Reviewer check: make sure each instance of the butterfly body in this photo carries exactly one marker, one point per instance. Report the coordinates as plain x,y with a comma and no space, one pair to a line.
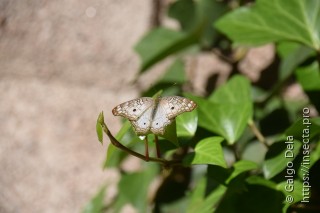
148,115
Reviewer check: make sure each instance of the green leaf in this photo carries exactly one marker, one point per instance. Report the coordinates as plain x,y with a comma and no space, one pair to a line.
207,151
225,176
96,204
299,128
240,167
235,91
133,187
278,156
185,12
260,23
175,73
171,134
187,124
99,127
258,180
309,77
228,110
255,152
209,11
253,198
162,42
291,60
227,120
171,82
293,189
198,15
205,203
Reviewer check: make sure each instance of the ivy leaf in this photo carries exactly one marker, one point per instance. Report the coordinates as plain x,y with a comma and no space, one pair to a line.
278,156
227,120
240,167
296,192
96,204
133,188
309,77
162,42
235,91
259,24
185,12
292,56
171,133
199,200
207,151
99,127
171,82
228,110
175,73
187,124
198,14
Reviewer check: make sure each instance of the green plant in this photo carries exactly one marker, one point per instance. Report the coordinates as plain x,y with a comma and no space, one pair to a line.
252,149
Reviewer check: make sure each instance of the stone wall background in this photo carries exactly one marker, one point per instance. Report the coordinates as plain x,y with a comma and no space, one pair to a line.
61,63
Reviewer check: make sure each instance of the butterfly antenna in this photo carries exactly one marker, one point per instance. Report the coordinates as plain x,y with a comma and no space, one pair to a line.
146,148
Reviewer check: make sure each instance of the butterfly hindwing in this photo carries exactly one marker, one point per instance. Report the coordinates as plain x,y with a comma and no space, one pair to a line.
133,109
160,121
143,123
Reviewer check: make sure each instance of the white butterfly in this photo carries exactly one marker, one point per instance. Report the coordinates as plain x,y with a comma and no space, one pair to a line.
148,115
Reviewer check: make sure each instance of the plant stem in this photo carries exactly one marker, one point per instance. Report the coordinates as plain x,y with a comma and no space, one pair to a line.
258,134
117,144
157,146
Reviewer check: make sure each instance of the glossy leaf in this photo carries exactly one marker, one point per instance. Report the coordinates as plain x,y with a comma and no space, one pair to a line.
171,81
228,110
235,91
293,189
227,120
259,24
171,134
240,167
255,152
253,198
209,11
204,203
258,180
160,43
309,77
175,73
298,127
184,11
280,154
226,175
99,127
198,15
134,187
96,204
187,124
291,58
207,151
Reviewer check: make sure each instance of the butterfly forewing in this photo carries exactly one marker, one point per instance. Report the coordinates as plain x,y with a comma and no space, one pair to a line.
175,105
133,109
